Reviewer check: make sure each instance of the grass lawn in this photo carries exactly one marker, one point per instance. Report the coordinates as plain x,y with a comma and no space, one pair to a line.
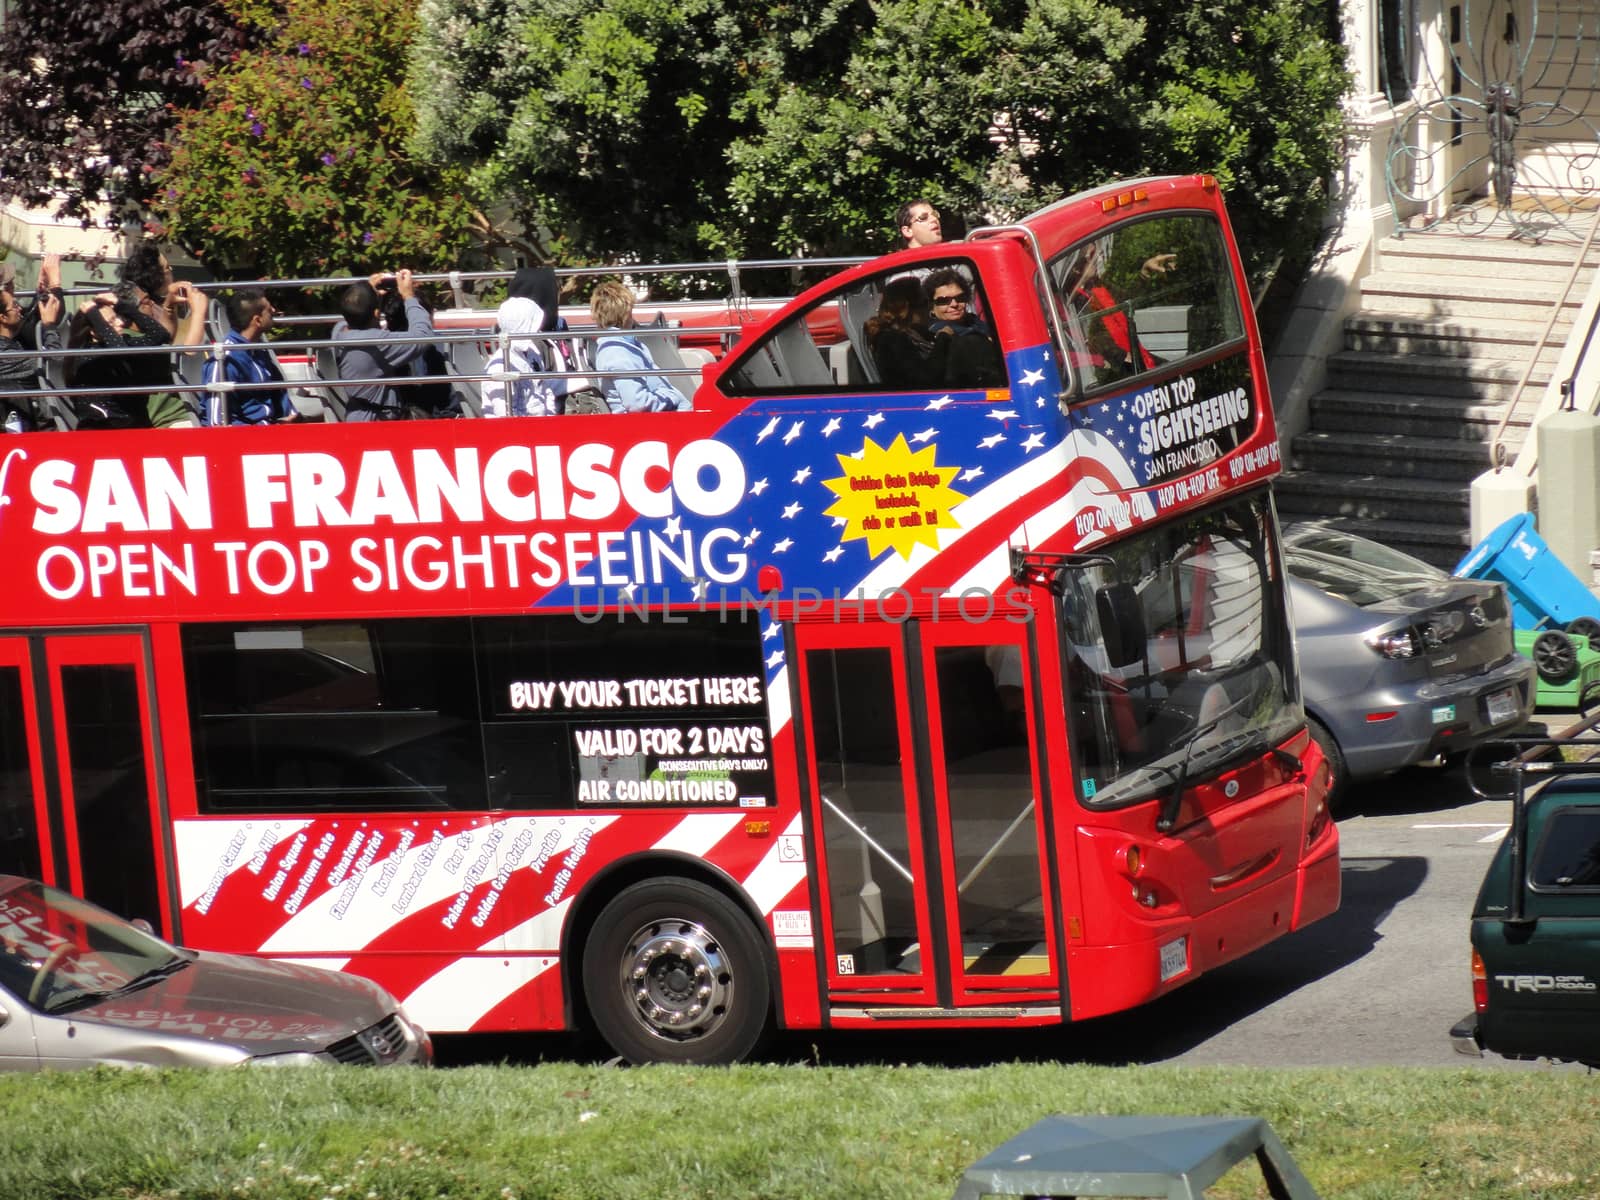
854,1133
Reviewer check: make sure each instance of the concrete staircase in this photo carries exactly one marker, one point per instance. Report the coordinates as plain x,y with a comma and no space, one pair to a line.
1429,366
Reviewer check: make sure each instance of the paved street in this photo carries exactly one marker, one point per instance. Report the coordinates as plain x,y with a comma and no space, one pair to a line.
1378,983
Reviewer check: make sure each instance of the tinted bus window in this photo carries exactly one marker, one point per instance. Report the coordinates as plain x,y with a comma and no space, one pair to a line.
669,711
1147,295
19,825
110,787
341,716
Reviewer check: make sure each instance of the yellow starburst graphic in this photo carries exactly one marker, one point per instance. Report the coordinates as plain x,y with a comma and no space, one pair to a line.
894,497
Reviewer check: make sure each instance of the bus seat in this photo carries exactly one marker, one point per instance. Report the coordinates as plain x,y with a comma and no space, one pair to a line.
217,325
848,367
662,344
855,309
327,367
798,360
50,374
1164,330
310,402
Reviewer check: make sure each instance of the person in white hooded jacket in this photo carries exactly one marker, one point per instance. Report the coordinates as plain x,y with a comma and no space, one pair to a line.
517,353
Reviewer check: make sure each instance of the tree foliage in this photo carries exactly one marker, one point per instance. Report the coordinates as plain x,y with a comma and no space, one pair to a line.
690,128
296,161
87,93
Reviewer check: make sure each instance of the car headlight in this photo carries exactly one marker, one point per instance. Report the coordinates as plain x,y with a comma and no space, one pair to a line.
295,1058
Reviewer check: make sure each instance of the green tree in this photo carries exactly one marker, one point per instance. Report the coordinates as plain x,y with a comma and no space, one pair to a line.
691,128
296,159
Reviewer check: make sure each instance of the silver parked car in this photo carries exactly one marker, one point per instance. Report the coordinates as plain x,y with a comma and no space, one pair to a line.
79,986
1399,662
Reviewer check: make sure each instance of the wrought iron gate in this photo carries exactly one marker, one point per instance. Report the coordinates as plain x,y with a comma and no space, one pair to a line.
1497,103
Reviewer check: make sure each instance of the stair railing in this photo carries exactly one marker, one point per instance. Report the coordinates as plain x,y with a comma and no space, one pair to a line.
1528,457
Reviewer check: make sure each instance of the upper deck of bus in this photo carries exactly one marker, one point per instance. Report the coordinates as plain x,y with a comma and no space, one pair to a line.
815,478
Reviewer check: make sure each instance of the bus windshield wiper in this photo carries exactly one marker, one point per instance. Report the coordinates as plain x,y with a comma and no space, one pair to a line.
1250,742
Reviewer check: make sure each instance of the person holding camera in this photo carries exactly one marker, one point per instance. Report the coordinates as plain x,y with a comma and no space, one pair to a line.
180,309
128,319
372,354
22,328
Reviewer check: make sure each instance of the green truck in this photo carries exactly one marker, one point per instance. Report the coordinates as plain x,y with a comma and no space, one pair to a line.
1536,922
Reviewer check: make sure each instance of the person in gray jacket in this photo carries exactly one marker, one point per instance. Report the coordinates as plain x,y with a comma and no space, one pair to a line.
22,328
369,352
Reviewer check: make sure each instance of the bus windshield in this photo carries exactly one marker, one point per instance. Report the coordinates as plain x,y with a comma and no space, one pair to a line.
1178,648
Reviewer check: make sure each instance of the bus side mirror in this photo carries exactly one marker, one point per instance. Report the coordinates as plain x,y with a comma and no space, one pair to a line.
1121,623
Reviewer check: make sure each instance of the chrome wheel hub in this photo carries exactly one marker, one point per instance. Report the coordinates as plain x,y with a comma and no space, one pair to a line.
676,979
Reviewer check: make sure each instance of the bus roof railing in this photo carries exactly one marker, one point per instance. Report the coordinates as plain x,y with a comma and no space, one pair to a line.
733,268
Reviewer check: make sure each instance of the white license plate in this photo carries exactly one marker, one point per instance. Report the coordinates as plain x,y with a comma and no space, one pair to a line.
1174,959
1502,706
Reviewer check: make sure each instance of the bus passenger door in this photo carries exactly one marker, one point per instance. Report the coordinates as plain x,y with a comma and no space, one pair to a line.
104,764
871,846
981,718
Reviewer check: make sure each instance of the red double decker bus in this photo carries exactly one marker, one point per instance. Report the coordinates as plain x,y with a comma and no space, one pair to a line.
845,699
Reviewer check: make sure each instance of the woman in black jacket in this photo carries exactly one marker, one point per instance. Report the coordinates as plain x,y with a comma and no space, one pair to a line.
906,353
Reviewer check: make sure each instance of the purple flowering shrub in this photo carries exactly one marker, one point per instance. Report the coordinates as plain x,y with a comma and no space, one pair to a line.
296,163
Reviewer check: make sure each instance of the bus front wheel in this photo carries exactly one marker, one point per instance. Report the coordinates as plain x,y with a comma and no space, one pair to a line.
674,971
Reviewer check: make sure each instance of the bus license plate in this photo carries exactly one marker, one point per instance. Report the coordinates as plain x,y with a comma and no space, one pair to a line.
1174,959
1502,706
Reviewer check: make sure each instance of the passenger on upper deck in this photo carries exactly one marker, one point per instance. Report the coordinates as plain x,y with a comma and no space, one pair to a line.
611,305
574,393
181,311
905,351
126,319
436,397
519,318
250,313
31,327
374,354
973,359
918,222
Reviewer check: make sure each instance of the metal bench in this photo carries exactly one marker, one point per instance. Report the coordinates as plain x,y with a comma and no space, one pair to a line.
1172,1157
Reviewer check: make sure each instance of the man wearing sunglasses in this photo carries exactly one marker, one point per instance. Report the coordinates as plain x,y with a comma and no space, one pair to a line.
918,221
23,329
974,358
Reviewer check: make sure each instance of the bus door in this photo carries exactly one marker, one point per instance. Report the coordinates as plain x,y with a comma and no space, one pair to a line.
981,718
923,797
100,765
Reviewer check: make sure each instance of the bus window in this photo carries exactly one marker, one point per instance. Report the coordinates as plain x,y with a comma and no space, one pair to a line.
871,875
104,727
19,825
830,346
341,716
1194,666
625,713
993,818
1148,294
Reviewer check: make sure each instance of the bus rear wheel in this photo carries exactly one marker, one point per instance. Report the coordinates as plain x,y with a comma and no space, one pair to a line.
674,971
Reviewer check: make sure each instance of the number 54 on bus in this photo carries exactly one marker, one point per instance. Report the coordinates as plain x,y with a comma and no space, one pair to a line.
925,674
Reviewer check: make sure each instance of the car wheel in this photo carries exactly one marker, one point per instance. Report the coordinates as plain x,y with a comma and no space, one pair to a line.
674,971
1338,776
1586,627
1555,655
